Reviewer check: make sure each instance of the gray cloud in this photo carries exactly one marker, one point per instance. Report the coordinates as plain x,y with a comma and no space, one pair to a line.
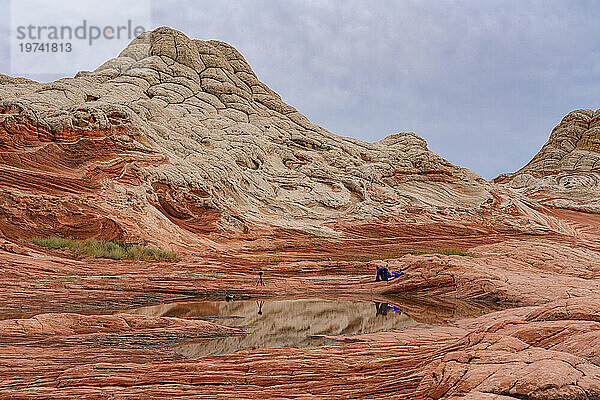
482,82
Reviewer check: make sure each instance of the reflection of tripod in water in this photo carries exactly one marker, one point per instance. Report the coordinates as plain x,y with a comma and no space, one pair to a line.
260,305
260,280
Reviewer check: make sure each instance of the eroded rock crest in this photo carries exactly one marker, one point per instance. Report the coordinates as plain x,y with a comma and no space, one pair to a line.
177,142
182,130
566,171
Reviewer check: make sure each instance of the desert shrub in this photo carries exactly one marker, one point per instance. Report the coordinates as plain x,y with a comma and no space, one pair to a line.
447,252
115,250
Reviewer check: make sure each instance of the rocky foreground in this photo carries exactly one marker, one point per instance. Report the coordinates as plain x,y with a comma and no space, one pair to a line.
547,351
176,143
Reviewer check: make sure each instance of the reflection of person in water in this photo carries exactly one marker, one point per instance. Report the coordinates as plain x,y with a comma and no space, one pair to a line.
260,305
383,308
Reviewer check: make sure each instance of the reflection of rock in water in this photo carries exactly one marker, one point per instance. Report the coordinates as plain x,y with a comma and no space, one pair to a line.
285,323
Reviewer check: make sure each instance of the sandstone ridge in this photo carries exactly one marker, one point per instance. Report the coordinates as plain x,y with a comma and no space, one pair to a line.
566,171
176,142
177,138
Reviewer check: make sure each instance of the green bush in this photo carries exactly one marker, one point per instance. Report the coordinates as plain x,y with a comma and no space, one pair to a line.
447,252
115,250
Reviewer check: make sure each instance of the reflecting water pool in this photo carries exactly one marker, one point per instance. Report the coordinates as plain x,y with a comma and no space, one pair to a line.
283,322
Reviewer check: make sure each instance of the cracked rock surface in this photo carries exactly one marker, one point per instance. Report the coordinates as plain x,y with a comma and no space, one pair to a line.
182,133
176,143
566,171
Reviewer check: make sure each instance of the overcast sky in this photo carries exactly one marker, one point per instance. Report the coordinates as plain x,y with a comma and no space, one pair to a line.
484,82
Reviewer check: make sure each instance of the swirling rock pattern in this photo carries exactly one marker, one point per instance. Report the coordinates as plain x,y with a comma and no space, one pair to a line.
182,131
566,171
540,352
176,142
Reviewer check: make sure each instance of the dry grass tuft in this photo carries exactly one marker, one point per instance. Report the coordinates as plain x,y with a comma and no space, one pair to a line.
115,250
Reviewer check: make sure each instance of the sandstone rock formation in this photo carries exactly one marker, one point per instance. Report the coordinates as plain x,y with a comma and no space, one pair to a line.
566,171
176,142
177,138
535,352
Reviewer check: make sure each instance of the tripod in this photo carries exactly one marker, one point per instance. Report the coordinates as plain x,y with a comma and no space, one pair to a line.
260,280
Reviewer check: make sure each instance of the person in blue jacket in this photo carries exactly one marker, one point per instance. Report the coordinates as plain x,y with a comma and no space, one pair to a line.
383,274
